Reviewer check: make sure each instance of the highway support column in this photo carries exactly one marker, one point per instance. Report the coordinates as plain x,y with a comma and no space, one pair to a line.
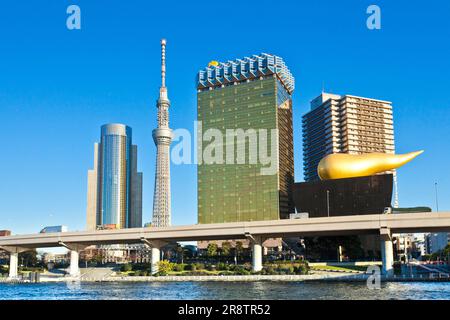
387,252
155,246
13,264
14,259
156,257
74,269
257,252
74,248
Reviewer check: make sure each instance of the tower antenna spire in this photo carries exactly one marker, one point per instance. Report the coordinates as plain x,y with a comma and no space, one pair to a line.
163,63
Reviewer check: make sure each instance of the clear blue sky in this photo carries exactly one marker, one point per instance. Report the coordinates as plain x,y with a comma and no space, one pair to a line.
57,87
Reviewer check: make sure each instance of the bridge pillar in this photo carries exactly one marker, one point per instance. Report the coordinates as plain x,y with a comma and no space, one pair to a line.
74,248
257,253
155,246
156,257
14,259
13,263
74,269
387,252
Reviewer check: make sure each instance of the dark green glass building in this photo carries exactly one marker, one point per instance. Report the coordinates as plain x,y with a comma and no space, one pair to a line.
245,110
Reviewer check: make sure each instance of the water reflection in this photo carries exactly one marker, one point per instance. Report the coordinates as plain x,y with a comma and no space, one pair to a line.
225,290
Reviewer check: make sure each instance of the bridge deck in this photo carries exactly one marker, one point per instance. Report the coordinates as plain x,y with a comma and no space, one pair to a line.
343,225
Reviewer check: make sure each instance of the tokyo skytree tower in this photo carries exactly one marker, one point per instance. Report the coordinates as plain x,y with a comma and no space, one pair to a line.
162,136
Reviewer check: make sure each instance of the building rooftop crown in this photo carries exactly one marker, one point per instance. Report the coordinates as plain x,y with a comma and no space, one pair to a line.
324,97
115,129
221,73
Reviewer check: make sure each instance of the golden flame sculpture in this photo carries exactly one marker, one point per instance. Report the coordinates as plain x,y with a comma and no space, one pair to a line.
342,165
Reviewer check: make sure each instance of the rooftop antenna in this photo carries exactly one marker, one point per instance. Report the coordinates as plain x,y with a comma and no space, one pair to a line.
163,63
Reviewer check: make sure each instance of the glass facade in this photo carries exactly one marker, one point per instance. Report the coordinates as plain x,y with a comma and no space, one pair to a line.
115,153
115,186
239,192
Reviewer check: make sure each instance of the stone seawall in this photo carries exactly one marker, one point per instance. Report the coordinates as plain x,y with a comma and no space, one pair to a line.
329,277
348,277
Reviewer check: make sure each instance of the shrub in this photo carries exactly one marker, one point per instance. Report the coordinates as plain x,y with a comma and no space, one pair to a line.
190,267
223,266
179,267
243,272
232,267
269,270
280,271
31,269
285,269
247,266
196,273
126,267
300,270
210,267
199,266
141,273
165,267
140,266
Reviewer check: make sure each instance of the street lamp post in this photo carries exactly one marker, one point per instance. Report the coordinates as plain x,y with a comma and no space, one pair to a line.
328,203
239,209
436,192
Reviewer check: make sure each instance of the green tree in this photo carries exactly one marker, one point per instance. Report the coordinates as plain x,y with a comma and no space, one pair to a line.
97,259
326,248
443,254
212,249
28,258
446,250
180,253
226,248
238,249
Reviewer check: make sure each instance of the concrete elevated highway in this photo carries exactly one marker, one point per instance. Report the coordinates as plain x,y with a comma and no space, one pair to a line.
256,231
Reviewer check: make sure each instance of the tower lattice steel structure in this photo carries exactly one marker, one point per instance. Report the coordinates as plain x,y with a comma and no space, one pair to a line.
162,137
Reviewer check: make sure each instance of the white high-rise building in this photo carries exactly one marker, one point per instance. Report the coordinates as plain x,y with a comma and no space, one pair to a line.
162,136
437,241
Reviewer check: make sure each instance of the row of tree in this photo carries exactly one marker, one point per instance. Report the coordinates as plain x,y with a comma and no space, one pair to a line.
225,249
442,255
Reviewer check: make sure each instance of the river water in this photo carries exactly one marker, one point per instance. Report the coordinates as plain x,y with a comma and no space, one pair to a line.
225,290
